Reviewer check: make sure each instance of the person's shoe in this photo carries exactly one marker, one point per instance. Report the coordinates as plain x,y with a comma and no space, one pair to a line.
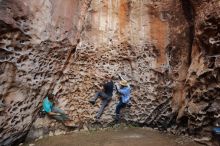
70,124
92,102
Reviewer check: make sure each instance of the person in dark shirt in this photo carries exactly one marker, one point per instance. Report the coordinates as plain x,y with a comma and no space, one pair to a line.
105,95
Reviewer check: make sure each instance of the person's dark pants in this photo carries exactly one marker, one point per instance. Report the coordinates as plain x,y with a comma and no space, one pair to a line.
105,100
119,106
62,117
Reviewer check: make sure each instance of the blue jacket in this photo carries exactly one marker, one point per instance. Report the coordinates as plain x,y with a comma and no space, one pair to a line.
47,105
125,94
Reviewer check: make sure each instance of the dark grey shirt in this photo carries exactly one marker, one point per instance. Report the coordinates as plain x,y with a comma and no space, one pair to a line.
108,88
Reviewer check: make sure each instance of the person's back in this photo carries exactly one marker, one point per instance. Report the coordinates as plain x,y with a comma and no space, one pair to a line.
47,105
108,88
125,93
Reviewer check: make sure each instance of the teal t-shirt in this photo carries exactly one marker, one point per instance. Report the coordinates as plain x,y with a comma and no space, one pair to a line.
47,105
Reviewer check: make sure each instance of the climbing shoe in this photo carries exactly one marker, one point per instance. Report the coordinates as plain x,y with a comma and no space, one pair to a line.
92,102
117,117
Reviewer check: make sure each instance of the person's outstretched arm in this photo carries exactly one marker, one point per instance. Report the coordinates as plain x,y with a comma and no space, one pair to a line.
57,89
117,87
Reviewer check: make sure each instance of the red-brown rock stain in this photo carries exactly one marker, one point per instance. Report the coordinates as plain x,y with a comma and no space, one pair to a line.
158,33
123,15
64,12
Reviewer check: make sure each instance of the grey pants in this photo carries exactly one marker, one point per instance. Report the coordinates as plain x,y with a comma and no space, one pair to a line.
62,117
105,100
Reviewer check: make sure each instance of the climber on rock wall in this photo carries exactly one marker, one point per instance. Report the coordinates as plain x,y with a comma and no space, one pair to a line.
124,90
105,95
55,112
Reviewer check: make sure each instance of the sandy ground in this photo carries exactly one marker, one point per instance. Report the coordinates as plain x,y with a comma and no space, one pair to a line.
117,137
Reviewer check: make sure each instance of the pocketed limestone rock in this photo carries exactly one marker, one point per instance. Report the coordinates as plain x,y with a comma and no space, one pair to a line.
166,50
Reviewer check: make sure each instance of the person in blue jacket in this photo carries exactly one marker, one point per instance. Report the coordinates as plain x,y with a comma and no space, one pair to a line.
124,92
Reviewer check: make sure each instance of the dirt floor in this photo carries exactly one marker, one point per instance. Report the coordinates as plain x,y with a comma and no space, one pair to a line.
117,137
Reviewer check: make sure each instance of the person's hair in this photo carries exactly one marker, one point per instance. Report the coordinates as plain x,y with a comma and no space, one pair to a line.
50,96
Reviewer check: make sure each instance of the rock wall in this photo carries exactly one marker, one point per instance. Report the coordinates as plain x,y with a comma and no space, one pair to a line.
36,46
167,50
202,81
